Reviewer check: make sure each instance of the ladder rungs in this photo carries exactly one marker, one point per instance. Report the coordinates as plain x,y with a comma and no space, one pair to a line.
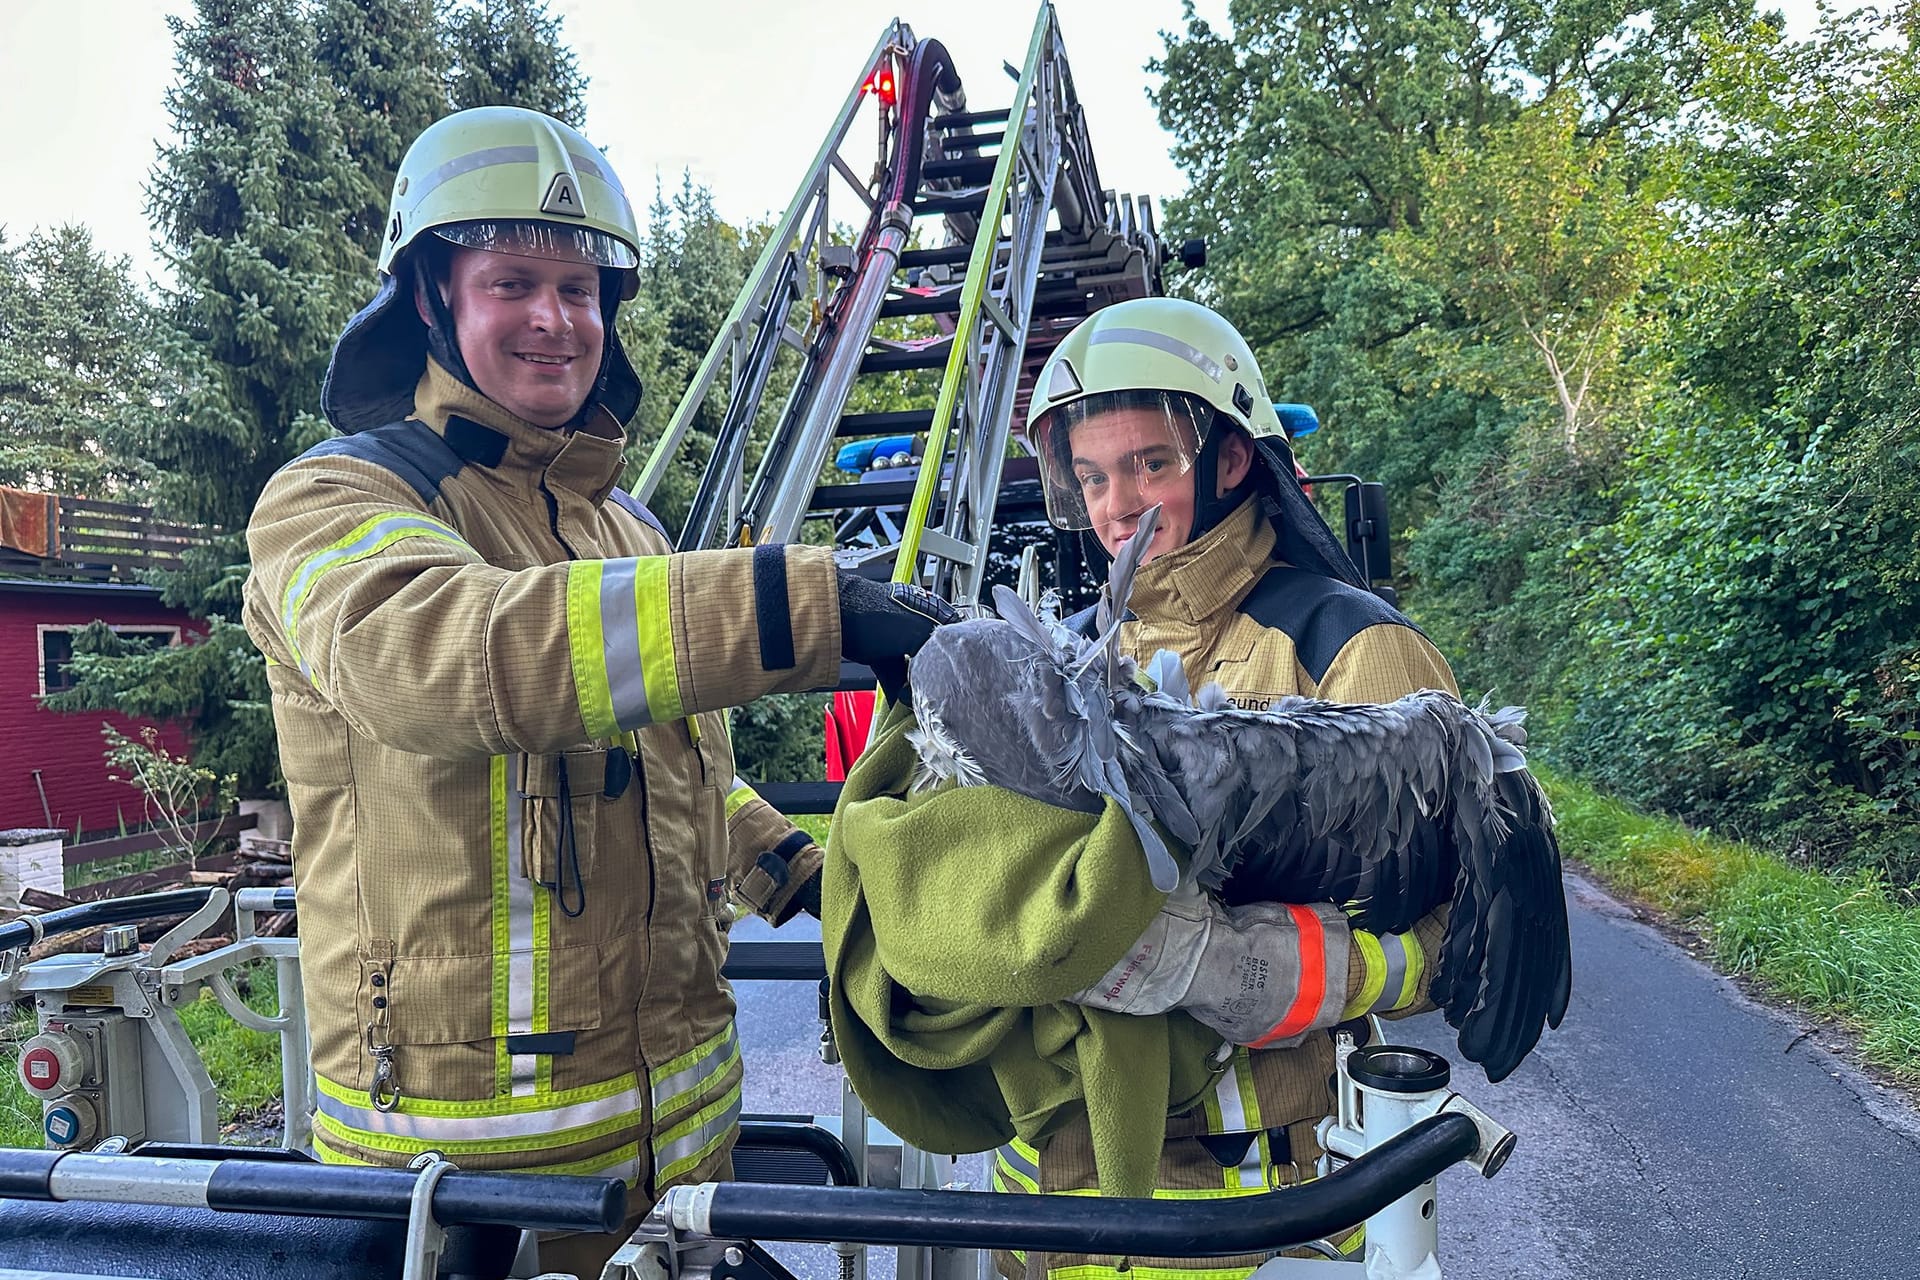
967,169
972,141
961,202
968,119
951,255
882,424
919,304
892,361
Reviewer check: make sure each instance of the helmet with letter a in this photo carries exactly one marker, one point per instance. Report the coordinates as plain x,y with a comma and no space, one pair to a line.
500,179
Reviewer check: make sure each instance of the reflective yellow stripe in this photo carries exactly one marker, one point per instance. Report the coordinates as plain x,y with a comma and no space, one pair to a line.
620,641
587,645
370,538
740,794
1373,968
1089,1271
678,1081
494,1124
686,1144
1416,970
622,1162
1019,1164
652,598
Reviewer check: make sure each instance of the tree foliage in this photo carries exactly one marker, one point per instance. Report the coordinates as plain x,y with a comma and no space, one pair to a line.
1621,310
78,371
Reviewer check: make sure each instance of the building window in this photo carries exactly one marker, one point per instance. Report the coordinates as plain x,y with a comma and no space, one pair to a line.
56,650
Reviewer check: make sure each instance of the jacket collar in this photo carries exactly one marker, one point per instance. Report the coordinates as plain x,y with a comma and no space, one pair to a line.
585,460
1194,583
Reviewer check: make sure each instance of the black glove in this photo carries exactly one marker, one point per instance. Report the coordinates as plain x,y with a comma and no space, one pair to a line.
882,624
808,894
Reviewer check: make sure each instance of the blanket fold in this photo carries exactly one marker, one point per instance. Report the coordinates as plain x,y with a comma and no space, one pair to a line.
957,923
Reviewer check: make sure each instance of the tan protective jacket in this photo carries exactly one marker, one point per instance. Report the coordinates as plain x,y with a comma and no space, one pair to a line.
497,701
1261,630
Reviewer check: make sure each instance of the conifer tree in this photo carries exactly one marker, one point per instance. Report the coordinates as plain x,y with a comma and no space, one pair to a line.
512,53
77,366
250,206
388,65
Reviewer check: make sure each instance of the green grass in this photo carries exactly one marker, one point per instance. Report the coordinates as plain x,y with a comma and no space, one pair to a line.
244,1064
1847,947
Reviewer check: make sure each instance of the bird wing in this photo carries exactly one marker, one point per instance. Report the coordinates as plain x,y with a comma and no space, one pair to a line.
1389,810
1506,964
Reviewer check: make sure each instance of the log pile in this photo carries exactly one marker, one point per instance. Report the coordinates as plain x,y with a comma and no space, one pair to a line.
258,863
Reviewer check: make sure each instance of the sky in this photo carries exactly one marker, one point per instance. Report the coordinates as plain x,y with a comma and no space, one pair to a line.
740,92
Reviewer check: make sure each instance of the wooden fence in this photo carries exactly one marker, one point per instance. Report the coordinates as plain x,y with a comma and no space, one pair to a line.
114,540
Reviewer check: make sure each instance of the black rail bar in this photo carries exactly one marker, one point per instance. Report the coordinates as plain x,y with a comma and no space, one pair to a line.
538,1202
965,168
146,906
968,119
775,962
892,422
889,361
959,202
805,1136
1086,1224
951,255
800,797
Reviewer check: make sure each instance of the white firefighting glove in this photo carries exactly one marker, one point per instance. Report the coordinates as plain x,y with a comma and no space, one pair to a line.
1263,974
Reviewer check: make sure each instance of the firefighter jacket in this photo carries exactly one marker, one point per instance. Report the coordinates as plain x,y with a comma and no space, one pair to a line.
497,701
1260,629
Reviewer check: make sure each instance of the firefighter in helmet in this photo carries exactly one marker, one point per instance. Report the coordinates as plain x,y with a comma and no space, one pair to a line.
518,834
1160,400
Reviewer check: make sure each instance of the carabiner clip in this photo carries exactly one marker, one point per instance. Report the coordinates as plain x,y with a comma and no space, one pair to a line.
385,1092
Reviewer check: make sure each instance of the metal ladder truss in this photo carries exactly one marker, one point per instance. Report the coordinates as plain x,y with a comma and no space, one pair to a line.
1032,244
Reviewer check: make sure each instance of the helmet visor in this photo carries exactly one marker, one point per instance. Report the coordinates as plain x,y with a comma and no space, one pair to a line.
1107,457
527,238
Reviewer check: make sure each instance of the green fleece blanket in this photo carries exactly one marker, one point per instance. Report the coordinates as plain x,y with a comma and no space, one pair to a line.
956,924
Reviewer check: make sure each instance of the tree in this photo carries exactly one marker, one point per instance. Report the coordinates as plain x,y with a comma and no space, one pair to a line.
512,53
250,207
1304,134
78,367
1546,240
388,64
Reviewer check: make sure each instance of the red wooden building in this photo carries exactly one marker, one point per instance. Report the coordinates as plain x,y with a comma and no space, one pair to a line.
64,563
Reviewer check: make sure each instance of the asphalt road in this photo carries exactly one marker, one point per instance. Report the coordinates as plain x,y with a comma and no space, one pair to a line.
1671,1128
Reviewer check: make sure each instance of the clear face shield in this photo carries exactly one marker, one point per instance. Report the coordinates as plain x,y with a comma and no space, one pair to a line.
526,238
1106,458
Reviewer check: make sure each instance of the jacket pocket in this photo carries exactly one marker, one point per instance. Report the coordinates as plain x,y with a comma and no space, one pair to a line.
446,1032
561,794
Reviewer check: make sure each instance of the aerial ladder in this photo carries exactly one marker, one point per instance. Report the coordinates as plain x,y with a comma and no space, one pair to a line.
1029,243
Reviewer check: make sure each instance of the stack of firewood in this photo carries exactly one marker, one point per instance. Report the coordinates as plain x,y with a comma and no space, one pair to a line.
258,863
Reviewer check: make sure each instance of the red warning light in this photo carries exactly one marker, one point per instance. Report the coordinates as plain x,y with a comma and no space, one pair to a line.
881,84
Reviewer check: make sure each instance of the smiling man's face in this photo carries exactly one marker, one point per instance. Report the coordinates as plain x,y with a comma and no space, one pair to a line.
530,330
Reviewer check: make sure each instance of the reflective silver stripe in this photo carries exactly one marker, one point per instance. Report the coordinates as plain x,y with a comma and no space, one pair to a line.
688,1079
485,158
1161,342
1393,946
519,1124
1253,1169
1226,1091
682,1147
523,1067
1017,1160
619,624
318,564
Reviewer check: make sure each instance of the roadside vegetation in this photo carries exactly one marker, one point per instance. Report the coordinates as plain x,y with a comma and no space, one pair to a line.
1842,945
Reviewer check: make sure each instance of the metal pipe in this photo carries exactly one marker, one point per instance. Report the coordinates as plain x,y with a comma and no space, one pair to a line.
146,906
539,1202
1076,1224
